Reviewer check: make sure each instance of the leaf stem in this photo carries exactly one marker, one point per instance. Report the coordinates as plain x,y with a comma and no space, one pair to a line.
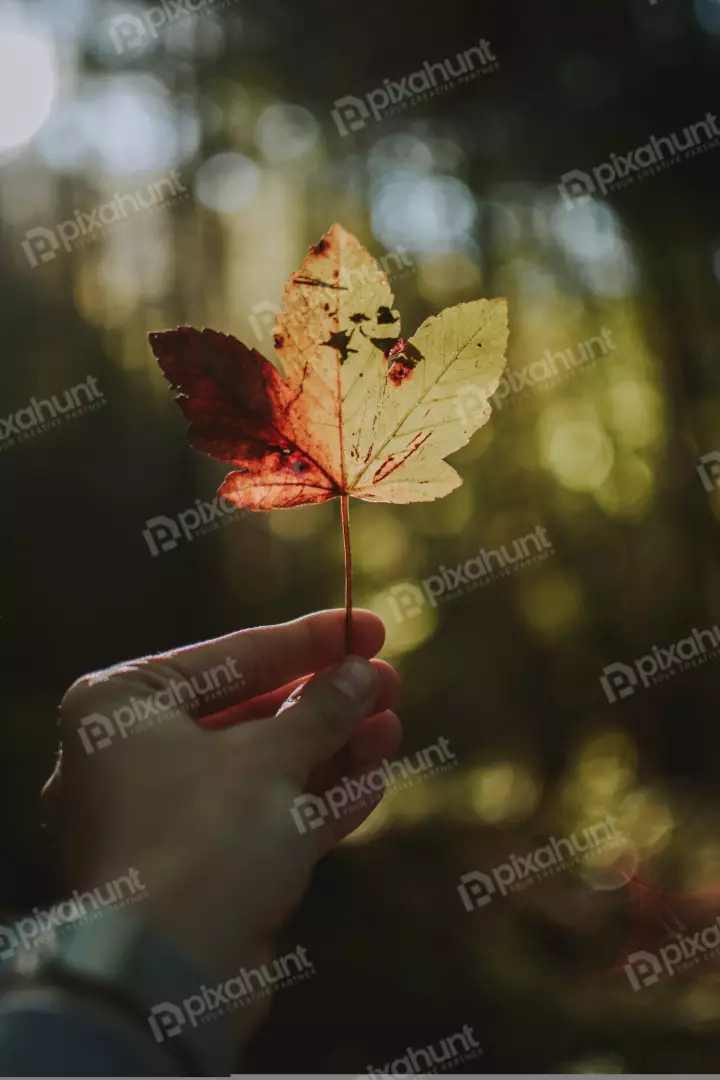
345,516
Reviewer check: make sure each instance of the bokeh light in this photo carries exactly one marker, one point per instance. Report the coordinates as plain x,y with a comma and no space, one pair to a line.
503,793
422,213
119,124
402,152
575,447
628,490
635,413
132,127
286,132
707,13
449,276
227,182
592,238
551,602
28,86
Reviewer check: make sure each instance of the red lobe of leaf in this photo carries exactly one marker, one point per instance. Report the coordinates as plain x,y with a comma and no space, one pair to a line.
242,411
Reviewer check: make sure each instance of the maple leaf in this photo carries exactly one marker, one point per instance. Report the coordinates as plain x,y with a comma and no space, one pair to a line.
350,408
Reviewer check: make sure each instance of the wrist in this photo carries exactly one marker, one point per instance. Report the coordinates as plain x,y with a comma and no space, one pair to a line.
124,954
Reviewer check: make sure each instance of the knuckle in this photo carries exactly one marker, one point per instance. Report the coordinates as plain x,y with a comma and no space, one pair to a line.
77,698
86,694
158,673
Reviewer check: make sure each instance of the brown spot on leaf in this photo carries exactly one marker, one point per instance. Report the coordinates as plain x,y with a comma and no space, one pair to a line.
384,344
385,315
402,360
340,340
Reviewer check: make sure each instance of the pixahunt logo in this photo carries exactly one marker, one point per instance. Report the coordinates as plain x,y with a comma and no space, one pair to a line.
452,1051
541,374
476,889
166,533
709,470
180,695
646,968
42,926
395,265
622,680
168,1019
40,416
311,811
133,31
408,599
655,156
41,245
352,113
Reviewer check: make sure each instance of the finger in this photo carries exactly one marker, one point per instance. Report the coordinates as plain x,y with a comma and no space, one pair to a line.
375,740
268,657
318,719
268,704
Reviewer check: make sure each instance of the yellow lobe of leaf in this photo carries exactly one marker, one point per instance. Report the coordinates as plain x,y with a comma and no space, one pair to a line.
382,418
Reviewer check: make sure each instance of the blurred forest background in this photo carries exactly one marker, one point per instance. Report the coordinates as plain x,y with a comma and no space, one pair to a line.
229,112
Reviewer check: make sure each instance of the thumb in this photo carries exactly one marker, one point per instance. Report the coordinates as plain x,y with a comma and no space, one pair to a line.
319,716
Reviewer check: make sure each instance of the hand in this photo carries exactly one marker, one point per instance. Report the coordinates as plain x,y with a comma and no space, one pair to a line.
199,801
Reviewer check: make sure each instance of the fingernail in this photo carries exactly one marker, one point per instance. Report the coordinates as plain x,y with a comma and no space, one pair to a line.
355,677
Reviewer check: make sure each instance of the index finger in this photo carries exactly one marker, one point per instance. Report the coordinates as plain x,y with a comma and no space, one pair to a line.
270,656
